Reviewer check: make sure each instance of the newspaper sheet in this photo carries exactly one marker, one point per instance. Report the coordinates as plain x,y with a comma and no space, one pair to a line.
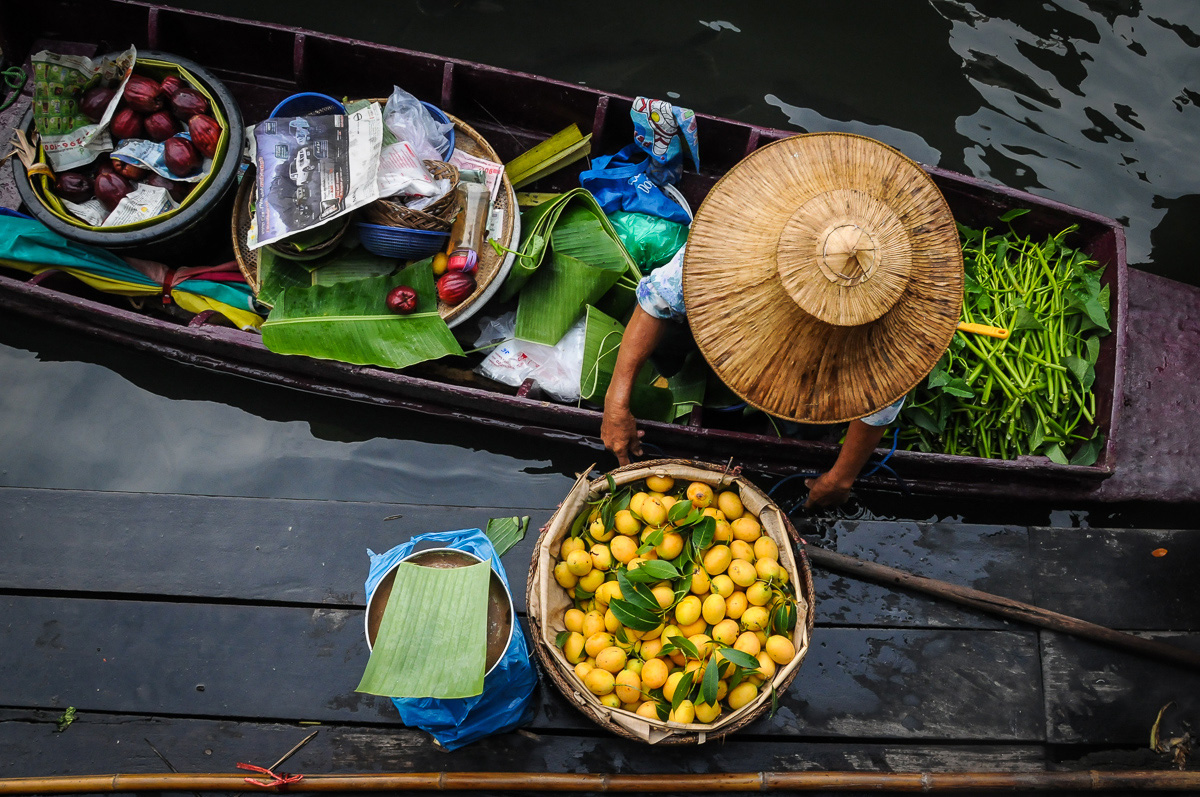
312,169
59,83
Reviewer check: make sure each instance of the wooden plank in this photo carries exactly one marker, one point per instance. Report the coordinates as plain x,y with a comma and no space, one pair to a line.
117,743
915,684
301,663
283,550
985,557
1099,695
1112,577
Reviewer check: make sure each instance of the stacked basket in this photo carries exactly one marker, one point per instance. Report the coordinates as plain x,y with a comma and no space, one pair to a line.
549,603
391,229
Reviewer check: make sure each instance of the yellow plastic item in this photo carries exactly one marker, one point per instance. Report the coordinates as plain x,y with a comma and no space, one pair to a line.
981,329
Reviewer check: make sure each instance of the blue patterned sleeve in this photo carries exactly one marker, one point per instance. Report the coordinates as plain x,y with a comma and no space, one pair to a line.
886,415
660,293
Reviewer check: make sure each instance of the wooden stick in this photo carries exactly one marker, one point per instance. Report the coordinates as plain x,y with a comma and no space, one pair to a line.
1090,780
1004,607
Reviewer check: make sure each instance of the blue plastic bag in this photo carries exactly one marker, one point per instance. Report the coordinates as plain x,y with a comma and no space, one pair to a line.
664,131
507,699
619,182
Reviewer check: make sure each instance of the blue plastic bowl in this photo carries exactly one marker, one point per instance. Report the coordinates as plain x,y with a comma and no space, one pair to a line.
400,242
438,114
308,103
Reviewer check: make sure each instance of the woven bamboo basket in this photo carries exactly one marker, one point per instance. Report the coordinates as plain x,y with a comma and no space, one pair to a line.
493,265
437,217
547,602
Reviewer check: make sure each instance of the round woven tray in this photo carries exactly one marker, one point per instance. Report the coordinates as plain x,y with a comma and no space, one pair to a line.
546,600
493,266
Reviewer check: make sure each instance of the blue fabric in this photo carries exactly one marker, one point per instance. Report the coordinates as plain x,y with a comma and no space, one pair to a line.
507,699
664,131
619,182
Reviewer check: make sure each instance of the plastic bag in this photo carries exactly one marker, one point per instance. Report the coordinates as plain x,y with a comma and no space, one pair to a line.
411,121
650,240
619,182
507,699
556,369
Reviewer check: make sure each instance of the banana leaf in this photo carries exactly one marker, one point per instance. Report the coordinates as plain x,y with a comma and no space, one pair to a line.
505,532
538,224
602,339
349,321
277,274
432,639
585,262
563,148
688,384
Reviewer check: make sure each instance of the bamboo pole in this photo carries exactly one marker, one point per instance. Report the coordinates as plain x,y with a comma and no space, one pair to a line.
1004,607
1089,780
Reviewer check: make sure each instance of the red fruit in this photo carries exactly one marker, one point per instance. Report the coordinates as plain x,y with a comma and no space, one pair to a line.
73,186
160,126
143,94
181,157
402,299
205,133
128,169
455,286
127,123
95,102
188,102
176,189
171,84
111,188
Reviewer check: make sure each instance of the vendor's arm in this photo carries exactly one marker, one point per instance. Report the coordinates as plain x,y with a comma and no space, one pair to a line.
619,428
862,438
659,302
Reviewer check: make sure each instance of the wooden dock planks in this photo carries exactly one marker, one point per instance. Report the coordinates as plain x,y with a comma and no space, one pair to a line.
222,623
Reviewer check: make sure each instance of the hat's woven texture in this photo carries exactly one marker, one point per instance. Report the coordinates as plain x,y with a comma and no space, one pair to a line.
823,277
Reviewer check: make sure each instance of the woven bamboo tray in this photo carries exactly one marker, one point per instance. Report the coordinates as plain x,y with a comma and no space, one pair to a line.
493,266
547,601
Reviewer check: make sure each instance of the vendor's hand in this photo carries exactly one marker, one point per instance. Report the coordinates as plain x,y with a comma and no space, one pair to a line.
826,490
620,434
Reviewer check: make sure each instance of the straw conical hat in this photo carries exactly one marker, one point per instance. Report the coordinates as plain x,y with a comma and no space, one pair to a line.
823,277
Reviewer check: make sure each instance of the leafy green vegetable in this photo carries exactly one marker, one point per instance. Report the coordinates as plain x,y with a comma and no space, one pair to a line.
65,720
1031,394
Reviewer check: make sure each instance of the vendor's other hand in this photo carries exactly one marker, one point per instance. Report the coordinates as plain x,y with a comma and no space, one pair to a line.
826,490
620,434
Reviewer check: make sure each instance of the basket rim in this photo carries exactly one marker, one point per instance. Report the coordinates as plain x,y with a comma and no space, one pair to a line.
571,688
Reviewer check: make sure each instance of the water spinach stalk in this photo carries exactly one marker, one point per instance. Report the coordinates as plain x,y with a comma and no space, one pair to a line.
1030,394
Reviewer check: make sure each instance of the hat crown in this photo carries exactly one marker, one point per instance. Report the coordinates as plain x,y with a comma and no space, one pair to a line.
844,257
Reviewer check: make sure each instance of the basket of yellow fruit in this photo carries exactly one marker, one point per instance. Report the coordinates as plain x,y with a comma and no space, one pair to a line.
666,602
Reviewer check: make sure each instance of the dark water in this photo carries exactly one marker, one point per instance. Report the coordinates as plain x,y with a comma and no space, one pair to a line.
1094,104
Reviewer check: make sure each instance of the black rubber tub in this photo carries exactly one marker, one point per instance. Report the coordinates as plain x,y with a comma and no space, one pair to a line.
196,234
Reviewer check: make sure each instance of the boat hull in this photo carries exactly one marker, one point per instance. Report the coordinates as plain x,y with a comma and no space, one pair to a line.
262,63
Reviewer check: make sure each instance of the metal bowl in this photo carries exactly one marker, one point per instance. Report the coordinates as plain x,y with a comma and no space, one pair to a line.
500,605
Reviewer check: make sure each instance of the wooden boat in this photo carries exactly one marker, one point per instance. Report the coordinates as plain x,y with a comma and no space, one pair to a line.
262,63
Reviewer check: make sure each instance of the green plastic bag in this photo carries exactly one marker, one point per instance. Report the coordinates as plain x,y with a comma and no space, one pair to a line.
650,240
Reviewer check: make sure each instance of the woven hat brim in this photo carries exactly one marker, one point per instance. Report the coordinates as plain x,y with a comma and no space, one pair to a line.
768,350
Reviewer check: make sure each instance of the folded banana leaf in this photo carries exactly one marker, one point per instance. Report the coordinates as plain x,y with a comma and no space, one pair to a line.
602,339
349,321
539,223
586,260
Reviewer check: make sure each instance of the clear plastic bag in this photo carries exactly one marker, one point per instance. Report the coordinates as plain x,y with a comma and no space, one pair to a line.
411,121
556,369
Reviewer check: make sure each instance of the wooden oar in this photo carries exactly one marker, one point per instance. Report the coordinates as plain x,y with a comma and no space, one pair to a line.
1004,607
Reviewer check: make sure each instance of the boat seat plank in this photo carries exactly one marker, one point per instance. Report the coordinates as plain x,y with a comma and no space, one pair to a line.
294,663
1160,440
985,557
1112,577
118,743
255,549
1108,696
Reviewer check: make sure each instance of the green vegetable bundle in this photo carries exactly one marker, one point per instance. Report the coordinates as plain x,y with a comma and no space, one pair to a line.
1029,394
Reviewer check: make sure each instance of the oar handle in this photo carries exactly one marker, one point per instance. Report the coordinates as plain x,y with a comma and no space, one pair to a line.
983,329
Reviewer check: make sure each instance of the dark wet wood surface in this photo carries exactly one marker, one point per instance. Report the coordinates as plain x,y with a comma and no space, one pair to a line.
217,627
